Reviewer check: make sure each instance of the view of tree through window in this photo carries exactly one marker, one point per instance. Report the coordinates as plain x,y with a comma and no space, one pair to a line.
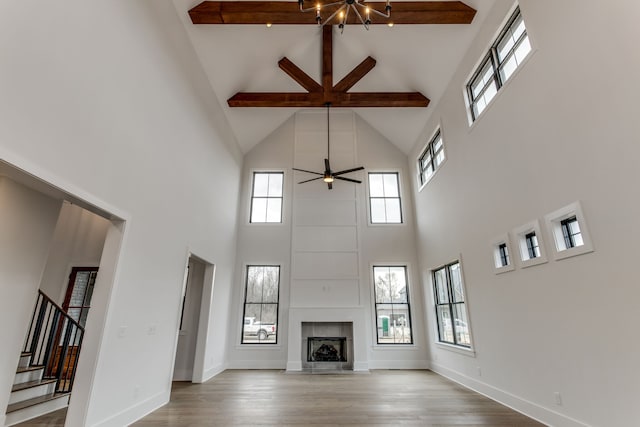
260,320
393,316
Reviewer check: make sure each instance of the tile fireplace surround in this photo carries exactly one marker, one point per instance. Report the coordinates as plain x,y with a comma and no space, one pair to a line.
327,322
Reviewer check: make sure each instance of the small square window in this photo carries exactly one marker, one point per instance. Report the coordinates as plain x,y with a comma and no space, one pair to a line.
530,244
569,231
502,261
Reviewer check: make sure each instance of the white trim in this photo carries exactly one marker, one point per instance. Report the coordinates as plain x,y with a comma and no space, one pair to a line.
552,222
466,351
519,234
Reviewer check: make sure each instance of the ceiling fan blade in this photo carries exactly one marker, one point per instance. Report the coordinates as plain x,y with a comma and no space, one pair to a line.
303,170
330,185
359,168
309,180
327,167
348,179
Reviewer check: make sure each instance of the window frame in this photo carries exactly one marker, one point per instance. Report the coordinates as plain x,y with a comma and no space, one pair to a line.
496,243
521,233
553,222
399,197
252,197
492,58
428,150
244,306
449,304
407,304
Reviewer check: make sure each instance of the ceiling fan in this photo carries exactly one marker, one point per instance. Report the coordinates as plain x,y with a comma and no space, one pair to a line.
328,175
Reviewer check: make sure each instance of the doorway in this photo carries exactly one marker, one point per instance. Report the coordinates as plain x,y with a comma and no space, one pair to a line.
194,311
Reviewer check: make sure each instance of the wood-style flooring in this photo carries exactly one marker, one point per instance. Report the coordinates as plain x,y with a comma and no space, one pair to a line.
276,398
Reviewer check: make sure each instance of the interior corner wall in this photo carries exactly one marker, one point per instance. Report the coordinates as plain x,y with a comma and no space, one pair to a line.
562,129
27,224
77,242
109,99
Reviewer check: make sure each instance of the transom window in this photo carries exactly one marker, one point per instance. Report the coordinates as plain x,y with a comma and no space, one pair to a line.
261,297
571,232
431,158
504,57
451,313
384,198
393,315
266,197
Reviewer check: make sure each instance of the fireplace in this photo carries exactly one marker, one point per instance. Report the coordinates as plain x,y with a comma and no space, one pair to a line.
326,349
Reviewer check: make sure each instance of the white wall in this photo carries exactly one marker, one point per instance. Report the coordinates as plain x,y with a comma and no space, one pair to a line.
321,228
562,129
77,242
108,98
27,224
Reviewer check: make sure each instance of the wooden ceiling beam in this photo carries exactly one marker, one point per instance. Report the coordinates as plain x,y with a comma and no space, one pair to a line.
337,100
355,75
299,76
287,12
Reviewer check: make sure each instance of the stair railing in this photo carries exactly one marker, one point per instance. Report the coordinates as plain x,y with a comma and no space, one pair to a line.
54,341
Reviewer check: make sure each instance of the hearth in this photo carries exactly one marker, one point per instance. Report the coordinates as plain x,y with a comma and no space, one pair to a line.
326,349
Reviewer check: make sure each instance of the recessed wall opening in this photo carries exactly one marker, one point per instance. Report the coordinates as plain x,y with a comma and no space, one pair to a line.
327,346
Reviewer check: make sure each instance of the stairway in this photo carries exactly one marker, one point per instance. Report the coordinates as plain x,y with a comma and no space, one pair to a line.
31,395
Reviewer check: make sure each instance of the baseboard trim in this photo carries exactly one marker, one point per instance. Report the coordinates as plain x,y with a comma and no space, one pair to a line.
136,412
525,407
256,364
398,364
212,372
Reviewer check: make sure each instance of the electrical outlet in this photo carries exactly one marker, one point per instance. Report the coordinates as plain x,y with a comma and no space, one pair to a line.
558,398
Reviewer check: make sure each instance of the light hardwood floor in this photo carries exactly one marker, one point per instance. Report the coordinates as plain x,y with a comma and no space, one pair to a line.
381,398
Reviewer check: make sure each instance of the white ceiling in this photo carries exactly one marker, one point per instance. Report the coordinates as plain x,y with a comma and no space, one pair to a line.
409,58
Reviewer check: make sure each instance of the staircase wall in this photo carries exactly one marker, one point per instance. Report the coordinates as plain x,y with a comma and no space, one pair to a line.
27,223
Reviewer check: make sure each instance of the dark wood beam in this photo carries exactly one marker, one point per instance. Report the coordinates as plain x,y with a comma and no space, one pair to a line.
327,58
299,76
355,75
339,100
287,12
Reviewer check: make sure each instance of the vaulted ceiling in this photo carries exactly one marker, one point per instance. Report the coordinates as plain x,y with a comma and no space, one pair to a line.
408,58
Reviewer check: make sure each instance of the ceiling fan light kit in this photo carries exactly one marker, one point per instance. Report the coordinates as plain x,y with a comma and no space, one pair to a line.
328,175
342,12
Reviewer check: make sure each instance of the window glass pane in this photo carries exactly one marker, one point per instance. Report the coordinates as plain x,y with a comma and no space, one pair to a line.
376,188
508,68
255,278
390,185
442,291
274,209
259,210
393,211
270,281
445,328
437,145
518,27
523,50
260,184
456,283
505,46
398,284
393,323
275,184
461,325
490,92
378,211
382,284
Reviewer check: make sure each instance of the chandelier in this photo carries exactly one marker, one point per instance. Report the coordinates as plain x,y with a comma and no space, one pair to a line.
362,11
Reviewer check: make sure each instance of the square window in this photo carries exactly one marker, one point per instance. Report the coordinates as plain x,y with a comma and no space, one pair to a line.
502,254
266,197
384,198
569,231
530,244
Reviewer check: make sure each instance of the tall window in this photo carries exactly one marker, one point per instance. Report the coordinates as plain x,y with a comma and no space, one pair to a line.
384,198
451,313
431,158
392,305
504,57
533,248
266,197
260,320
504,254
